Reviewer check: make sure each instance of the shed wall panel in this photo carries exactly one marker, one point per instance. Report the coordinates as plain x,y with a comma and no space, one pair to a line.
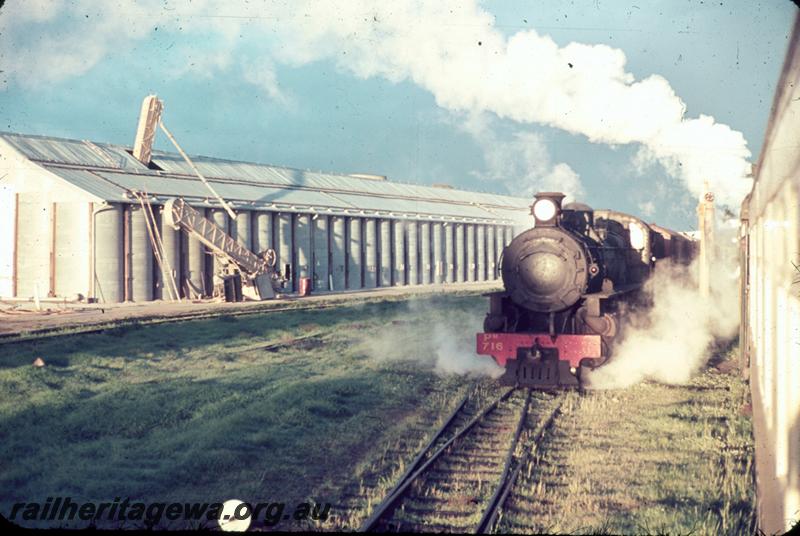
285,248
399,243
321,278
470,249
412,252
338,256
449,253
141,257
491,254
370,253
222,220
171,257
34,241
72,249
8,233
108,254
302,244
385,246
354,254
262,232
461,247
242,231
425,253
197,279
437,254
480,249
499,244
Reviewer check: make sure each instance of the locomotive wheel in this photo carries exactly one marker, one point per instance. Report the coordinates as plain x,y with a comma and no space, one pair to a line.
586,369
585,376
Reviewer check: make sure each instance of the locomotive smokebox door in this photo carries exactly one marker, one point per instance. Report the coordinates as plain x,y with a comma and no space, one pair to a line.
538,367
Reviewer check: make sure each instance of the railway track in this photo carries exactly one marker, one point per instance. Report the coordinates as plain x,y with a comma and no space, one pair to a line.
460,481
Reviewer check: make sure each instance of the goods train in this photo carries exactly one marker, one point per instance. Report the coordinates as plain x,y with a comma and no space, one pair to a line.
569,282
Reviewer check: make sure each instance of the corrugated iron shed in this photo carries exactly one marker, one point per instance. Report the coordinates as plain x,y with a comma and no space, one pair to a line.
109,172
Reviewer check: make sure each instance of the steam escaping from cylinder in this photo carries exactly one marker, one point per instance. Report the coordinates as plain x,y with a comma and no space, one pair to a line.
671,342
438,346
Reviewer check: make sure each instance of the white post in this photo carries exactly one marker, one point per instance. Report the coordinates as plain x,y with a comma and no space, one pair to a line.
705,216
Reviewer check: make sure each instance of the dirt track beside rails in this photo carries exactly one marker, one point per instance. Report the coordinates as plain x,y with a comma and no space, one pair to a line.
21,319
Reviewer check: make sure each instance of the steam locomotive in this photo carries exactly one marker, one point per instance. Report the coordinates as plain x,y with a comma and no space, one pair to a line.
569,283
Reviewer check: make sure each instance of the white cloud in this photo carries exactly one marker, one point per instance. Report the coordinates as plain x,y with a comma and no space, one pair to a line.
33,10
262,74
450,48
40,48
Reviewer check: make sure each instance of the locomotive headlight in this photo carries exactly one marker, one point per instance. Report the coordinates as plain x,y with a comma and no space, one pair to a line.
637,236
544,209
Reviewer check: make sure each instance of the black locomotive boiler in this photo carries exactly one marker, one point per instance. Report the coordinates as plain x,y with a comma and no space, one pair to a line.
569,282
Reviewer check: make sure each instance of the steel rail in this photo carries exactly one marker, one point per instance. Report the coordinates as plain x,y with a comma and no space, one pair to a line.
491,514
417,461
389,502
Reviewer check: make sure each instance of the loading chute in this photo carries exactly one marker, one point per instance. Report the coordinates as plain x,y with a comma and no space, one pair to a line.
258,279
244,274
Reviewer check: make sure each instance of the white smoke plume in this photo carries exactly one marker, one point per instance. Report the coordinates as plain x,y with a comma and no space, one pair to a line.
647,208
671,342
440,346
523,163
451,48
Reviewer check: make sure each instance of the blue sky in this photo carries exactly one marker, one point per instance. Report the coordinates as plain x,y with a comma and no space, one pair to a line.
421,93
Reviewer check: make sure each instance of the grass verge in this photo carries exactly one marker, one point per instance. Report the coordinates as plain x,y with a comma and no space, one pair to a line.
649,459
262,408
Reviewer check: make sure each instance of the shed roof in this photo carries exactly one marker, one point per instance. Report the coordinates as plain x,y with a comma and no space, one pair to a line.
111,173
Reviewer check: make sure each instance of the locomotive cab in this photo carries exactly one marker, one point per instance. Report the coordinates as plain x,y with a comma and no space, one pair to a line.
579,217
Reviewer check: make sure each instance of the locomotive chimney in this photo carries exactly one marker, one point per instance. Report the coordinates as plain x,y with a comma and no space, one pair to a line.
546,208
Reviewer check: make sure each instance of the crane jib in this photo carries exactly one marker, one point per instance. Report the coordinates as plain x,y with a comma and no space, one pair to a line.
182,216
